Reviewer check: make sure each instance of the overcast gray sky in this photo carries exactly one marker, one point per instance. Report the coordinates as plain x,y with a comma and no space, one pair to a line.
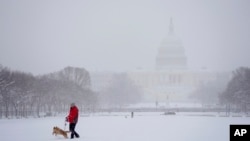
47,35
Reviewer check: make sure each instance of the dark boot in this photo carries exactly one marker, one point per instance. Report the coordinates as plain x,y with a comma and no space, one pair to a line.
72,135
77,135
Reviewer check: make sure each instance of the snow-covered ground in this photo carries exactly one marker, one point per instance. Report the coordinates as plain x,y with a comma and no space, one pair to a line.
121,127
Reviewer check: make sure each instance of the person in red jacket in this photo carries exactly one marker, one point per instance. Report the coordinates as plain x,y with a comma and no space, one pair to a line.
72,118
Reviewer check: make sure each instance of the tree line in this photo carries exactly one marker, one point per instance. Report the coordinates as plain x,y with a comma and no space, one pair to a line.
23,94
232,93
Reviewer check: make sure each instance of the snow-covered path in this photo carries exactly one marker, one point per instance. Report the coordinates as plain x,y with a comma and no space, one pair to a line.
155,127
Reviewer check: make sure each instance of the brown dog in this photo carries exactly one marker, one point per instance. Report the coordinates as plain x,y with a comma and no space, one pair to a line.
59,131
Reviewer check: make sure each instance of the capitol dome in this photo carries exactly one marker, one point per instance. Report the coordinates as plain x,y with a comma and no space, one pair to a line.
171,53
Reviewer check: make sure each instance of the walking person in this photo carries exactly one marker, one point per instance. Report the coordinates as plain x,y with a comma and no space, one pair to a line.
72,118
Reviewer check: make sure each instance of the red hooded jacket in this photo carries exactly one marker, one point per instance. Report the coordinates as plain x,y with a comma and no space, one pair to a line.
73,115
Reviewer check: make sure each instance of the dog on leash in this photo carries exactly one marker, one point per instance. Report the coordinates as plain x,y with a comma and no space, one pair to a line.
57,130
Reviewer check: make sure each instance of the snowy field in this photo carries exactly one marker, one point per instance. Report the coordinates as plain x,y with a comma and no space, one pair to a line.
121,127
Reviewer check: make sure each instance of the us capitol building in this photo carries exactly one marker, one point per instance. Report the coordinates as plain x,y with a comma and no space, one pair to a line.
170,81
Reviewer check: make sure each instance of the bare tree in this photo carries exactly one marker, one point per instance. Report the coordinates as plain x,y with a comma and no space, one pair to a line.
79,76
20,91
77,84
238,89
5,83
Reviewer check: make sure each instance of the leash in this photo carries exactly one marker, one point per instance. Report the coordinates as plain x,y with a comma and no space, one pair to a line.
65,124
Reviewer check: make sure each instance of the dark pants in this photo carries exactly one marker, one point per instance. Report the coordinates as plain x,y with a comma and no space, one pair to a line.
72,130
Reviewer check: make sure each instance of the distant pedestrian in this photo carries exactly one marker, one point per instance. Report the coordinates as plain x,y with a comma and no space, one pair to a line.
132,114
72,118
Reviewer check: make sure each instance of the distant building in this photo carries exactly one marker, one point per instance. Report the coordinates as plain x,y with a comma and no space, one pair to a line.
171,80
170,85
